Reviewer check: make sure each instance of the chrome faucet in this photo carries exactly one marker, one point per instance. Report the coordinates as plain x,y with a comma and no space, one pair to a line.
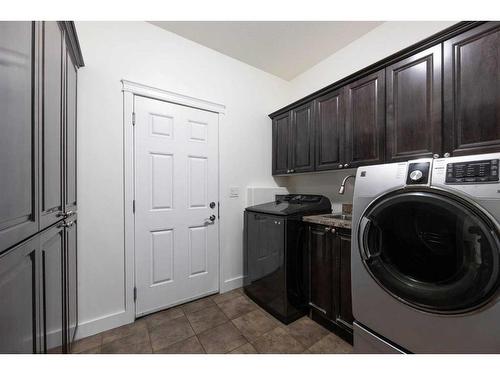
342,185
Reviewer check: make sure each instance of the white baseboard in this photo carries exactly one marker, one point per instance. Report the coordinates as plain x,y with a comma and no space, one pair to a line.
103,323
230,284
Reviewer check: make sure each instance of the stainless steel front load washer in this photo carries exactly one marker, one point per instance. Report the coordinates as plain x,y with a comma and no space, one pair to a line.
426,256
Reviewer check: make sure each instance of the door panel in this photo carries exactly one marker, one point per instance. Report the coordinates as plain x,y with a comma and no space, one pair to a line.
345,299
330,119
18,293
302,139
321,270
52,246
51,140
71,282
18,133
471,94
281,142
176,180
70,136
414,106
365,120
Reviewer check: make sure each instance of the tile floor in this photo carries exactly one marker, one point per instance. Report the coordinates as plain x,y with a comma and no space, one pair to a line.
222,323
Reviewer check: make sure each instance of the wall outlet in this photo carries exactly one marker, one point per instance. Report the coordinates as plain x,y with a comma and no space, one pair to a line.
234,192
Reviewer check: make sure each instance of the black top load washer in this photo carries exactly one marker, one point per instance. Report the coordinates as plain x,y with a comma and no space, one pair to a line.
275,269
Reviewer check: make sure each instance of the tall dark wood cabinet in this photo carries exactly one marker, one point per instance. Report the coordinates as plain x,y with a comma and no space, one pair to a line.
472,91
414,106
329,127
302,139
365,120
38,253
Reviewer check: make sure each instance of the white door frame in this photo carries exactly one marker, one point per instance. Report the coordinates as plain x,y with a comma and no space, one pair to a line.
131,89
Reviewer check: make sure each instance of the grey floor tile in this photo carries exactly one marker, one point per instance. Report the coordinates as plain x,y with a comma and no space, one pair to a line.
163,316
197,305
218,298
254,324
202,320
222,339
237,306
189,346
278,341
331,344
306,331
170,332
244,349
137,327
87,343
137,343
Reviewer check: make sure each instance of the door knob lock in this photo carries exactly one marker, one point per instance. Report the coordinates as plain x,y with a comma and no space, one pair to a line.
212,205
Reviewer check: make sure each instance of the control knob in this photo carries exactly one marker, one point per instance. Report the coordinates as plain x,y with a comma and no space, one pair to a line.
416,175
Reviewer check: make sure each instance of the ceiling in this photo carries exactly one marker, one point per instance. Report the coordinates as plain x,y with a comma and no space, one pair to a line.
282,48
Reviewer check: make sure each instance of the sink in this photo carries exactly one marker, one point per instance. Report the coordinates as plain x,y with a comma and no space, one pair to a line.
338,216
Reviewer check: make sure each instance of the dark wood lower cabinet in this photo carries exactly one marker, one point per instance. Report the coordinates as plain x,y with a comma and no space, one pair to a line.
330,278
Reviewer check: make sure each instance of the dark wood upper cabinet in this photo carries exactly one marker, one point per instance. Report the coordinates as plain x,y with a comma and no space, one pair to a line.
18,133
281,141
329,114
51,139
302,139
365,120
321,270
414,106
472,91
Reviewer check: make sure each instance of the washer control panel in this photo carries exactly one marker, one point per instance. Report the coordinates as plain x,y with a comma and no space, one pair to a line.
477,171
418,173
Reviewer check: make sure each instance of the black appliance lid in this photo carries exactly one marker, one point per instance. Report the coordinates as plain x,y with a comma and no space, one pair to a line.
294,204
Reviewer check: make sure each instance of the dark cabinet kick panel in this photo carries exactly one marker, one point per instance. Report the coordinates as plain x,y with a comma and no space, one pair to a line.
471,91
365,120
414,106
437,98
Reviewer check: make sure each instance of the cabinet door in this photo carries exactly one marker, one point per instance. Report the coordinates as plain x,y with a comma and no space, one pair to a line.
19,299
345,301
471,91
302,139
51,169
18,133
70,241
414,106
70,136
321,271
329,127
365,120
281,141
52,249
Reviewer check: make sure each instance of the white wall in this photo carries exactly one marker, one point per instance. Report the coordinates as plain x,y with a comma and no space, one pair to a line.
381,42
143,53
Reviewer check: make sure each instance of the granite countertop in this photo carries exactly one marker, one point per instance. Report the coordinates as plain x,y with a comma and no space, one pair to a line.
340,220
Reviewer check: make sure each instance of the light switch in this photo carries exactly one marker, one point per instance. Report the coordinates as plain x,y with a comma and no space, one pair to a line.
234,192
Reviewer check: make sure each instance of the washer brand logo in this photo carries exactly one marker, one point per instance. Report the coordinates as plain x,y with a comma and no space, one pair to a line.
363,174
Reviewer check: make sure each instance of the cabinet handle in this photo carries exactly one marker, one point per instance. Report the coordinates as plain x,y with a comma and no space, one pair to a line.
327,229
292,170
435,156
66,224
340,165
346,165
333,231
446,155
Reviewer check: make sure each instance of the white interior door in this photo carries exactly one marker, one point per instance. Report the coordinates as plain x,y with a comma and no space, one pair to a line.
176,193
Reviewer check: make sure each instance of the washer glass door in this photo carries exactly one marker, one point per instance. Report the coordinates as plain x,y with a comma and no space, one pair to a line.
432,251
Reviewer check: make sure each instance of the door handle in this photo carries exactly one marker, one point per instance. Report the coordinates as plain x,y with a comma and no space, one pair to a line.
210,220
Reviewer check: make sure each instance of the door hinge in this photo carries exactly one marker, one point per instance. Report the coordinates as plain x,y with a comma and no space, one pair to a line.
133,118
133,206
135,293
